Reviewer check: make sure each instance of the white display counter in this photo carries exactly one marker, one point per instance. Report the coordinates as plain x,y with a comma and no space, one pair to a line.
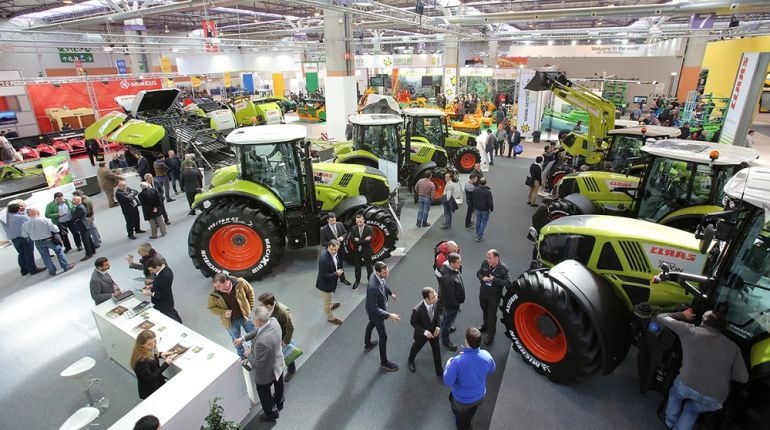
205,371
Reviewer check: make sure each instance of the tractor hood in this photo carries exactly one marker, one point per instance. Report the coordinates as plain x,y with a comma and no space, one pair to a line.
154,100
139,133
105,125
751,185
627,228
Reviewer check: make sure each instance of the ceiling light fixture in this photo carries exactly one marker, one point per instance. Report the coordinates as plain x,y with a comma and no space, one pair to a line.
624,41
66,1
550,43
598,42
165,29
574,42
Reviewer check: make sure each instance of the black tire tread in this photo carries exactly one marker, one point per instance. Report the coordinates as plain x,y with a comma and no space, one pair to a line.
463,151
380,215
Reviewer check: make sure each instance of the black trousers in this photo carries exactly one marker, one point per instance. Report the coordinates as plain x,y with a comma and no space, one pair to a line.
132,221
359,261
190,198
92,156
68,226
510,149
489,301
379,324
417,345
267,399
170,312
469,210
463,413
85,237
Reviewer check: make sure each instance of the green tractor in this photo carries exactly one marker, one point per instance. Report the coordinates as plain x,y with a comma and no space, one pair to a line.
274,194
599,295
430,126
681,182
255,111
222,118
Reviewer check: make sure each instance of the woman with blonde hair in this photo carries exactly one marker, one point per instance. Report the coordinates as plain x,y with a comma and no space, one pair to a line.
146,363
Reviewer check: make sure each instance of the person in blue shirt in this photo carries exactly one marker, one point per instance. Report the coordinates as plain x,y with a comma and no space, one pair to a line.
466,374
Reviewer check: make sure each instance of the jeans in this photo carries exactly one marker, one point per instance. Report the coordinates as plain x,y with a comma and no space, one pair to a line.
685,404
235,331
173,179
446,322
43,246
26,250
423,207
447,214
482,217
161,184
491,156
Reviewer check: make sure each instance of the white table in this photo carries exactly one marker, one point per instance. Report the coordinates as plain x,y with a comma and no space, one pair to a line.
182,403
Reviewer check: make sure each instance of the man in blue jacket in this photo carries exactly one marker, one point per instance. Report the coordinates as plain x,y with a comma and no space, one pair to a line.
467,375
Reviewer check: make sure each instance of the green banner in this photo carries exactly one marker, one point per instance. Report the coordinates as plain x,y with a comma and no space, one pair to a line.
70,55
57,169
311,82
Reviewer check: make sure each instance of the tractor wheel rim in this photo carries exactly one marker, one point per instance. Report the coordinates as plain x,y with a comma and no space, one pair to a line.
236,247
440,184
467,161
378,239
529,320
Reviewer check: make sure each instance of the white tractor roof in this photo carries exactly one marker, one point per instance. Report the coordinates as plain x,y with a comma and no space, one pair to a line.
376,99
266,134
374,119
423,112
753,186
651,131
625,123
698,152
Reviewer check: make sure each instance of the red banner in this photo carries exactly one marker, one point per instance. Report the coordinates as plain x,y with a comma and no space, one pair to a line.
210,32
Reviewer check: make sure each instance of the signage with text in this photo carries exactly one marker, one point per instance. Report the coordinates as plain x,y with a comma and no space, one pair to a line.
747,71
668,48
71,55
527,114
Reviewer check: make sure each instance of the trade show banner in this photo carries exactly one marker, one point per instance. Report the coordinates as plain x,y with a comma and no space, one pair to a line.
278,84
527,115
311,82
396,61
57,169
668,48
740,109
227,79
165,64
450,83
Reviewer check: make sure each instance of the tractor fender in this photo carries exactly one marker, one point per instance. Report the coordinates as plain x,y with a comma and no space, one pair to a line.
243,190
607,313
582,203
238,195
420,168
348,204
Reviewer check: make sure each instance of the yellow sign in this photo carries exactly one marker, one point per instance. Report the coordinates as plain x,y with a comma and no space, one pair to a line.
195,81
165,64
228,80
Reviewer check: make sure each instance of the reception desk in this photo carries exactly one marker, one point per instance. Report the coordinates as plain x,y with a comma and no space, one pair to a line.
205,371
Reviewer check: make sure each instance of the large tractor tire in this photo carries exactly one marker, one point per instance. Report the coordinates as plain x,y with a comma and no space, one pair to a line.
438,182
466,158
550,330
235,237
384,231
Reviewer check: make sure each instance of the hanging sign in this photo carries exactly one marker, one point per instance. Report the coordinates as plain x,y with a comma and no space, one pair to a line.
122,69
70,55
228,80
165,64
195,81
209,35
527,115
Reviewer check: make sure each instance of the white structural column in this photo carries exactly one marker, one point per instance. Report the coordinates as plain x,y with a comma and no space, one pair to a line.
451,69
340,82
492,51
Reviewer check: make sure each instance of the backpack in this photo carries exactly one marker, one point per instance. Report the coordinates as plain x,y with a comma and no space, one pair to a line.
436,252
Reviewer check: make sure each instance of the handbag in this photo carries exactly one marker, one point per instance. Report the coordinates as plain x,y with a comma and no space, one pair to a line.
453,204
290,353
518,149
528,182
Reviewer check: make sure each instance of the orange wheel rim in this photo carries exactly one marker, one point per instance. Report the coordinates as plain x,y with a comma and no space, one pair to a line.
378,239
531,320
440,184
468,160
236,247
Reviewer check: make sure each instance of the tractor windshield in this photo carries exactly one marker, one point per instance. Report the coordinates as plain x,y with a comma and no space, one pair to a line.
274,166
743,290
675,184
431,128
380,140
621,149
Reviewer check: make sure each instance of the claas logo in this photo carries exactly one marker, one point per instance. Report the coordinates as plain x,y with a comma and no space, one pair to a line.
681,255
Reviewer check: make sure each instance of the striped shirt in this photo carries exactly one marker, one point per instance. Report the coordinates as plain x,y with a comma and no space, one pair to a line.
39,228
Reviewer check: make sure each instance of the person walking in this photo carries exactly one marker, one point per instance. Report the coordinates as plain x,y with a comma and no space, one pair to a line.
425,321
108,180
425,190
80,226
151,201
489,146
334,230
483,204
129,205
59,211
515,140
451,296
160,289
189,160
452,198
710,361
377,295
469,187
535,174
361,238
102,286
45,235
329,271
174,170
92,149
231,300
494,277
466,374
282,314
16,216
191,182
161,178
749,141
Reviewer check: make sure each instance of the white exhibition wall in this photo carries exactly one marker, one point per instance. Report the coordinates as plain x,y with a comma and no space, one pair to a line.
191,64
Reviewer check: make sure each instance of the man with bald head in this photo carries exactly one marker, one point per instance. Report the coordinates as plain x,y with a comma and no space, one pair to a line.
129,204
494,276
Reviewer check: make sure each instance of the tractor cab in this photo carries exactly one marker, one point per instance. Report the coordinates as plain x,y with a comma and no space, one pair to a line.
626,143
375,143
427,124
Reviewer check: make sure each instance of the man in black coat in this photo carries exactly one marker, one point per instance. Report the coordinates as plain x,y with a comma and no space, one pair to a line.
425,322
191,182
377,295
451,296
151,209
160,290
329,270
174,169
129,205
81,225
142,166
494,276
361,237
334,230
92,149
515,140
483,204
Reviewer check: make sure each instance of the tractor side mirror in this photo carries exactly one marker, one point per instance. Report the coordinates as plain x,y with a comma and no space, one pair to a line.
707,236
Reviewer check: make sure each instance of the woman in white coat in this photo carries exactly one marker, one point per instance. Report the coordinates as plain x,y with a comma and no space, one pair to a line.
451,199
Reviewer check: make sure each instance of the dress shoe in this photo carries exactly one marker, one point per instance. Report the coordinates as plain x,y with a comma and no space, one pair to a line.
344,281
66,250
335,305
371,346
452,329
488,340
451,346
69,267
355,284
168,222
87,257
279,405
191,213
141,231
412,367
427,224
132,237
336,321
37,270
170,200
389,366
153,237
80,248
114,204
269,417
483,328
444,227
288,377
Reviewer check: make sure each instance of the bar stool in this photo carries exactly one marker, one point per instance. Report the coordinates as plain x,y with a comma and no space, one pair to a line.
79,372
80,419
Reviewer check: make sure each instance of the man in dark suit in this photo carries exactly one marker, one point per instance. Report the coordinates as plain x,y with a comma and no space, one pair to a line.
102,286
129,205
425,322
361,237
92,149
329,270
452,295
142,166
334,230
494,277
80,226
191,182
160,289
377,295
